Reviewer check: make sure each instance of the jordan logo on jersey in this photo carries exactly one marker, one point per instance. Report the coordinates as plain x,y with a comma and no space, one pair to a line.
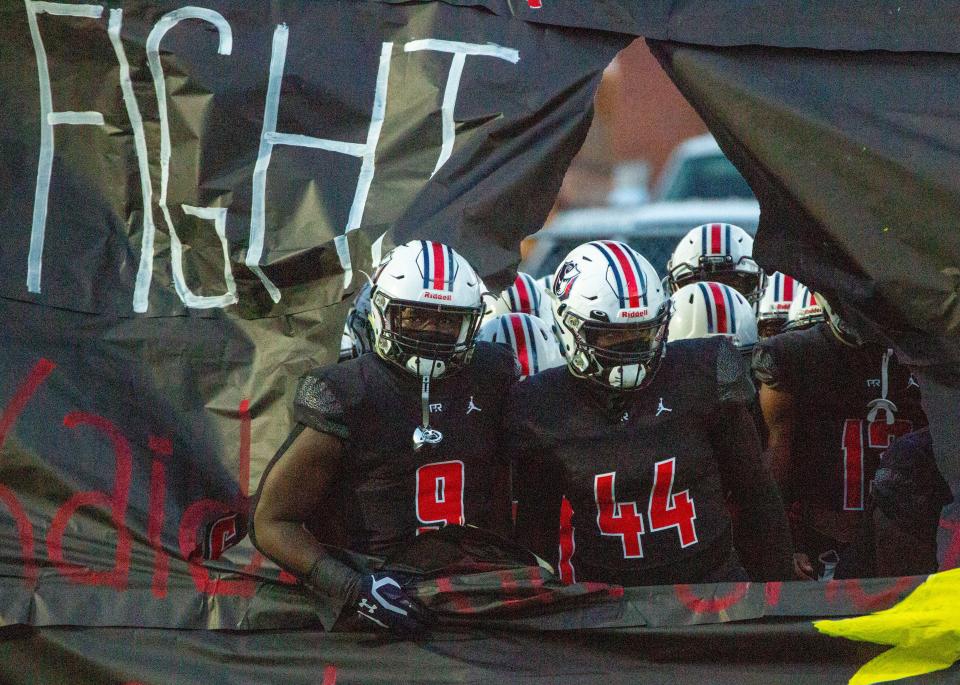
912,382
661,408
472,406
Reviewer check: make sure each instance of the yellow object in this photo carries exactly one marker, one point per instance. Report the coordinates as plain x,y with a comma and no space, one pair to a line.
924,630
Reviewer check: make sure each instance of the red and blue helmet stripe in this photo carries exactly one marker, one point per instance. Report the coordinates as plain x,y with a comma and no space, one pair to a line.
718,300
715,239
784,287
518,331
524,295
629,280
439,266
807,300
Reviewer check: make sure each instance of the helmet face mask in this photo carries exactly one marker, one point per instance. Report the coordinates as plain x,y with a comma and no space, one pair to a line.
611,315
426,308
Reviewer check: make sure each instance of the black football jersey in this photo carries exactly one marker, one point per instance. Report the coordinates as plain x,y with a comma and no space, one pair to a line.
639,469
388,492
836,446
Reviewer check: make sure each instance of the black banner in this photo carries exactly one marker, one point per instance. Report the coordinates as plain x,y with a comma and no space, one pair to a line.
273,145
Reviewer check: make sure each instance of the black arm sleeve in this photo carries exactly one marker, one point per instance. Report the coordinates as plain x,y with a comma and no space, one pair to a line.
539,492
318,406
761,533
537,483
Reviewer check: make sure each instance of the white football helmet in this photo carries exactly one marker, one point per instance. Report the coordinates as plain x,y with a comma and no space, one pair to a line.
611,314
530,338
774,307
706,309
426,306
525,296
716,252
804,311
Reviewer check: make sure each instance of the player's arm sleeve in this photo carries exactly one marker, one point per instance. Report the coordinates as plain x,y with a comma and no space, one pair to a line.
734,385
318,405
537,484
761,533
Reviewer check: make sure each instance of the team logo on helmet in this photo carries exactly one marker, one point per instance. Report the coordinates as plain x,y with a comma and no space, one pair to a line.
564,281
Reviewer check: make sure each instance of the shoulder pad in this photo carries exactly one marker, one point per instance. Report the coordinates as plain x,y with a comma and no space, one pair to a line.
733,375
318,405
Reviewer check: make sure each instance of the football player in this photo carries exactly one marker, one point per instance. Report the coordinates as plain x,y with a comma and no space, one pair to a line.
805,311
774,307
717,252
900,532
404,441
644,439
832,403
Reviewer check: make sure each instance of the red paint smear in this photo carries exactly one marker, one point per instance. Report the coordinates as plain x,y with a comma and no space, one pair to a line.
772,593
460,602
38,374
117,504
951,558
330,675
884,598
713,605
535,4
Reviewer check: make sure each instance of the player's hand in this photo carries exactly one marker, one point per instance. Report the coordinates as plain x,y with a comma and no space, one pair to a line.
802,568
382,601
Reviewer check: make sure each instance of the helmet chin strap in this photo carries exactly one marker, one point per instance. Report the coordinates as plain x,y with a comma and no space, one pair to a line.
424,434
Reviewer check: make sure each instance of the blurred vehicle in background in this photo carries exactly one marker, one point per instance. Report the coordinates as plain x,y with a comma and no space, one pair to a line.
698,169
653,230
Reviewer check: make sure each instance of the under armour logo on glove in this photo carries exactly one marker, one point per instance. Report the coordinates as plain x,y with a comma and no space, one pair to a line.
383,601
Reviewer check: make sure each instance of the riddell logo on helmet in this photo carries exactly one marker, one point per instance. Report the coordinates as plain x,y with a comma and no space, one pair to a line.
437,296
781,306
634,314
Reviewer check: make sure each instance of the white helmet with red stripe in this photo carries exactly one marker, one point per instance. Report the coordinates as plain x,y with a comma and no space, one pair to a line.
525,296
706,309
530,338
716,252
805,311
774,305
611,314
425,308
